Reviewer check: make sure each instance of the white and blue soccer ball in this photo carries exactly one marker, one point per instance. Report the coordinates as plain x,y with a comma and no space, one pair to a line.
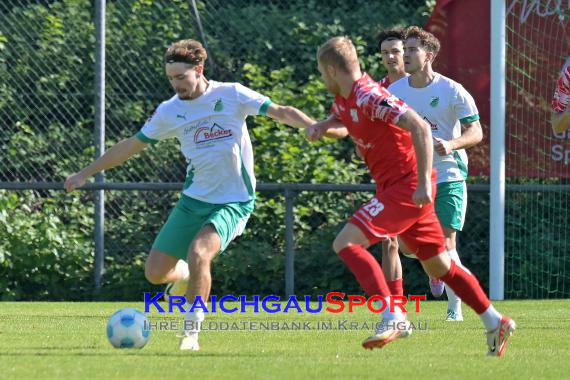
128,328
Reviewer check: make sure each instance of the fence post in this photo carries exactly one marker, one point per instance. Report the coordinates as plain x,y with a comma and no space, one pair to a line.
99,195
289,243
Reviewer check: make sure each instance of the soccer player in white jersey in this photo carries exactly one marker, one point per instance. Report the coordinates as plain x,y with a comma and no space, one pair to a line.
208,119
561,101
454,119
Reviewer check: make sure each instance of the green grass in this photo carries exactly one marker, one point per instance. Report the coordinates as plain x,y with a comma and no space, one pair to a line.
68,341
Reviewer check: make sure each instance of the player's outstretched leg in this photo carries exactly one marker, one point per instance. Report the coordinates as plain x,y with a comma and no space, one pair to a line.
464,283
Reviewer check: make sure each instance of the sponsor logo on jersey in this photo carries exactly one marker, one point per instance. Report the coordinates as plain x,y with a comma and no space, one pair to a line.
206,134
434,101
432,125
181,116
191,128
219,106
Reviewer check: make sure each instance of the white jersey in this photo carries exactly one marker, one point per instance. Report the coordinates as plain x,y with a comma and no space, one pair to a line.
213,138
445,105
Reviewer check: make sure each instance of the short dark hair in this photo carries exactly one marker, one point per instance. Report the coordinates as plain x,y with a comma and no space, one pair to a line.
428,41
186,51
389,35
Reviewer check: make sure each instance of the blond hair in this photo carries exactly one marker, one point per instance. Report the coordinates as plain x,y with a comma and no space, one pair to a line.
340,53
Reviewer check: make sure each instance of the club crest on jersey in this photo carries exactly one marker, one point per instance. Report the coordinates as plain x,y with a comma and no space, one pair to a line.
219,106
354,115
206,134
434,101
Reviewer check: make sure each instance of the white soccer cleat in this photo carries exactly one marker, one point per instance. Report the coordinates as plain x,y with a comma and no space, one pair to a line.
453,316
497,340
177,288
390,331
189,341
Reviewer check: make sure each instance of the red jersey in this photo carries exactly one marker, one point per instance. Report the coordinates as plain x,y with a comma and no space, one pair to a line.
385,82
370,114
561,98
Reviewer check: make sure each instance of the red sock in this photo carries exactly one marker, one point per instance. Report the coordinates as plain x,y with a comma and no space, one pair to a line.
366,270
466,286
396,287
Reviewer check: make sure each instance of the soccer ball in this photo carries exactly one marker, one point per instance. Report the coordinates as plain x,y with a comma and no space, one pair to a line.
128,328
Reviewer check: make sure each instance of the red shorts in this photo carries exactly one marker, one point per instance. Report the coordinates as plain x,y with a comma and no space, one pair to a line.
392,212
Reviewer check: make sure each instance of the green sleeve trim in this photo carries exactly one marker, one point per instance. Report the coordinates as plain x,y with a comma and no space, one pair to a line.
141,136
469,119
264,107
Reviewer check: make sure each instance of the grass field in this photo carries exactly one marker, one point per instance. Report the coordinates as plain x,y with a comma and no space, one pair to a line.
68,341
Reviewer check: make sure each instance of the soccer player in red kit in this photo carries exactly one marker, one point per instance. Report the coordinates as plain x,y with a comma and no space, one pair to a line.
397,148
561,101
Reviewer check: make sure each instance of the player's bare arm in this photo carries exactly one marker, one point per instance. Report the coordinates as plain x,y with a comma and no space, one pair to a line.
560,121
422,140
471,135
290,116
115,156
331,127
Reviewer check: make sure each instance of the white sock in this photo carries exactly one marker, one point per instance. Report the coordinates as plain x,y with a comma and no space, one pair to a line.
397,315
194,318
454,302
491,318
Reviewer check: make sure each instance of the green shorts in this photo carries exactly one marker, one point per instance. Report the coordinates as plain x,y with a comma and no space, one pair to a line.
451,204
190,215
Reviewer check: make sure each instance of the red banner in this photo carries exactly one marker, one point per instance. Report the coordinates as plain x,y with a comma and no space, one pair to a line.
538,42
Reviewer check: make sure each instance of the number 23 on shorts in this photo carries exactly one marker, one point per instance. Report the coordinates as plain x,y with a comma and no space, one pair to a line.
374,207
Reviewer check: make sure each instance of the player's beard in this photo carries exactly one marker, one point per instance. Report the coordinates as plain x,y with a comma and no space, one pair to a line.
183,93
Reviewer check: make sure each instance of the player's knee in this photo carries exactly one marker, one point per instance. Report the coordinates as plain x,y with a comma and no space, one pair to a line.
199,258
153,275
438,265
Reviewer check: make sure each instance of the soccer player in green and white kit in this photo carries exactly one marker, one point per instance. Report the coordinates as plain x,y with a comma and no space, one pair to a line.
208,119
454,119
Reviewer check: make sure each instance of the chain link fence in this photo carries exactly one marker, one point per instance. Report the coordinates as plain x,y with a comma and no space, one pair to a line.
47,113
